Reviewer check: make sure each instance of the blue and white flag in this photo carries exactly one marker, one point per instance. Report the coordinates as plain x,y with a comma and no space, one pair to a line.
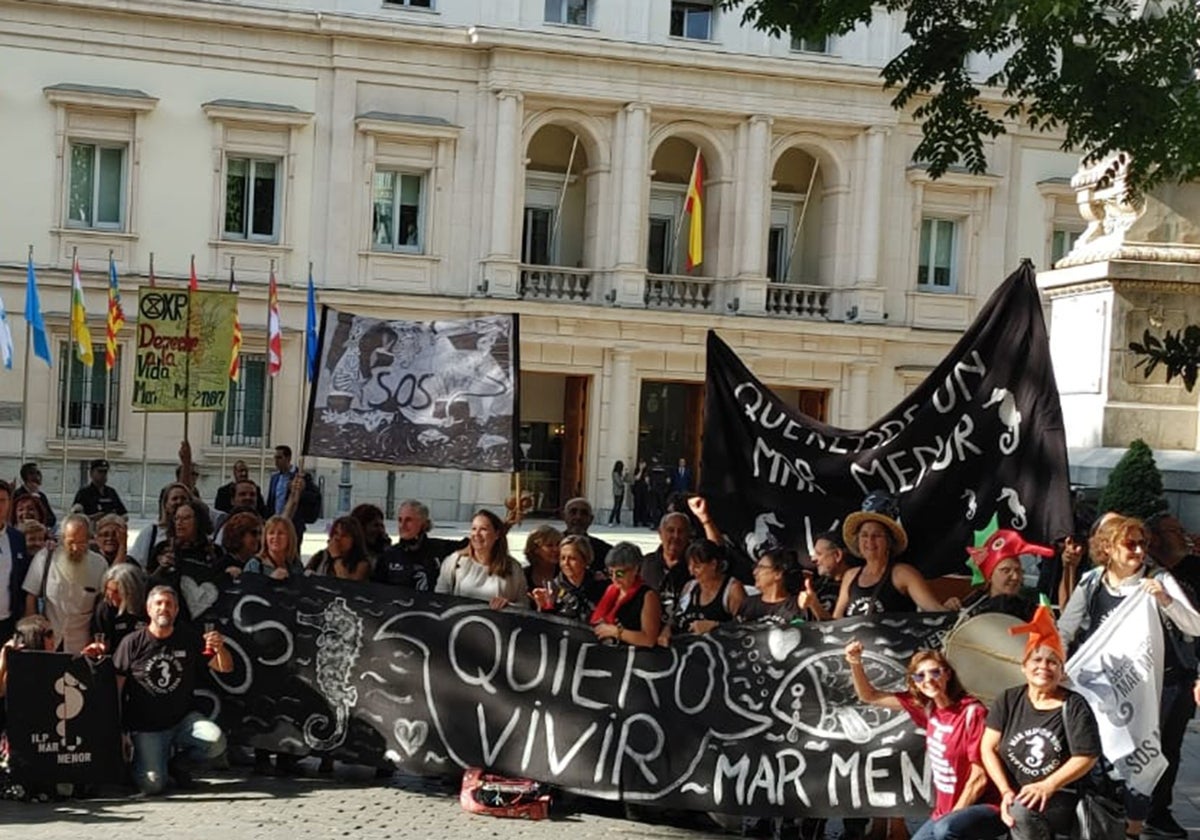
6,344
1119,671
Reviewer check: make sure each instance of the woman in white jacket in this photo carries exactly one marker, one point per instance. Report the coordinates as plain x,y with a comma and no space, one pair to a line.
1119,550
484,569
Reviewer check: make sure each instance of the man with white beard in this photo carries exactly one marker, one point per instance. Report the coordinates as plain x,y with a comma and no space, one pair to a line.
68,581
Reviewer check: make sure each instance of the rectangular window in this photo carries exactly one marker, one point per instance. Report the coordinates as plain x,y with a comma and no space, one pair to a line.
415,4
251,199
248,398
1061,243
658,260
536,247
96,191
572,12
692,20
91,392
935,266
811,45
398,216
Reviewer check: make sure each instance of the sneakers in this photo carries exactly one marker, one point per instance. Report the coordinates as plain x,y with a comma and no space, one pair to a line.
1164,827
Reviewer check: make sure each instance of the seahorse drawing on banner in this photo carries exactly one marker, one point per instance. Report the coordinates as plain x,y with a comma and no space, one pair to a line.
338,646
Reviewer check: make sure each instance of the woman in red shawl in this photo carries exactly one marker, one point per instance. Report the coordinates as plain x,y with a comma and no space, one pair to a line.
630,611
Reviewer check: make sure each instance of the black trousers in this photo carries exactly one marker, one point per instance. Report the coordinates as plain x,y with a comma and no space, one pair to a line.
1178,707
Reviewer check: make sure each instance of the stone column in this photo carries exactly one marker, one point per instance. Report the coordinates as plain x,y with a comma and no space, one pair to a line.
508,139
858,392
872,209
501,266
620,406
631,213
757,195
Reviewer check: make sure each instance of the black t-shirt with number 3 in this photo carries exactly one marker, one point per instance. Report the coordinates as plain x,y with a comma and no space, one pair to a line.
161,677
1034,743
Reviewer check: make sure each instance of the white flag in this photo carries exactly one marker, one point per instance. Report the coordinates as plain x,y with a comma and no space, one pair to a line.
1119,671
6,344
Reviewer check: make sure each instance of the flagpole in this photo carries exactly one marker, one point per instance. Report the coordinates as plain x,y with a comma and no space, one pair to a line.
264,426
562,194
107,372
228,396
146,417
187,359
25,383
66,406
803,212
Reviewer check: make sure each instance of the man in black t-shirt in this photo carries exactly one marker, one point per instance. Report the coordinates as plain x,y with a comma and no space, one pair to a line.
414,561
157,670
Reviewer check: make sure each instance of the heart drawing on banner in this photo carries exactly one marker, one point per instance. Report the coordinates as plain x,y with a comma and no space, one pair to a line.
411,734
782,641
198,596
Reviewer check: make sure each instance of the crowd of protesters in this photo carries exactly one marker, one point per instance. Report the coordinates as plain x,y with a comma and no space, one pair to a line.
76,584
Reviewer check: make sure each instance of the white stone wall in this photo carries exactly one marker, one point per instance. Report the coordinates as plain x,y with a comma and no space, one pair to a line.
623,85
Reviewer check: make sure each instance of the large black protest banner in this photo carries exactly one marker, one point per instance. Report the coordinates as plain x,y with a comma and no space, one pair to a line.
741,720
981,436
439,393
63,724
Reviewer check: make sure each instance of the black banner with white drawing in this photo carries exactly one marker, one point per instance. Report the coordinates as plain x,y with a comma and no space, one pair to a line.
63,723
742,720
437,394
981,436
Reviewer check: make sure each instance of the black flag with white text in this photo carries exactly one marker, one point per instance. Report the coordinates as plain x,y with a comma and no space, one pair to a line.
981,436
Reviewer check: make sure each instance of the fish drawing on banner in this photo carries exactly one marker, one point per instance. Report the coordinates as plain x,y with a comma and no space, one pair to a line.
338,646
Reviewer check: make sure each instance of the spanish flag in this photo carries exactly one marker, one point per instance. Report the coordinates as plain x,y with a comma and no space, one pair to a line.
695,208
79,327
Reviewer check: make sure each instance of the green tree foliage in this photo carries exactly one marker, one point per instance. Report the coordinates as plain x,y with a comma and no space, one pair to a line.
1113,75
1178,352
1135,487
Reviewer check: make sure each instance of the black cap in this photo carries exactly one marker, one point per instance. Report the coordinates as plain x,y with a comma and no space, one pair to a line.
99,464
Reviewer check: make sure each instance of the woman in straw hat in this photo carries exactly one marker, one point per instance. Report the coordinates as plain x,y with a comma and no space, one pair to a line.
882,585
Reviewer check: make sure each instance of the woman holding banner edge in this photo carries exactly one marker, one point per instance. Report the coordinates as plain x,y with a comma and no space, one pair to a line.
966,805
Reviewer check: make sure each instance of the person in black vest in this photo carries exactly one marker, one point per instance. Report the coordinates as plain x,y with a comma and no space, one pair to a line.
96,498
158,668
414,561
14,565
629,612
228,496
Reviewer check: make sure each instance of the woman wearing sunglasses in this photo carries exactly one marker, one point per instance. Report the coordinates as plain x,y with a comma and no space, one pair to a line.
966,806
1118,548
629,612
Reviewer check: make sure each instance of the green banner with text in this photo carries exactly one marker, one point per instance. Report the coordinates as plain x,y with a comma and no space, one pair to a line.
184,342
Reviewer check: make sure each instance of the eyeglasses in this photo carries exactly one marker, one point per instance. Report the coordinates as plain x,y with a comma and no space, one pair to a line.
932,674
1135,545
618,574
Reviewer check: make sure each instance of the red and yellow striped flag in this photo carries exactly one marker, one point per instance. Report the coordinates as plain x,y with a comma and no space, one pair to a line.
235,360
695,207
116,316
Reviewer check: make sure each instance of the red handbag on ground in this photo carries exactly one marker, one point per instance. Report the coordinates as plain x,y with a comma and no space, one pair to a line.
502,796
